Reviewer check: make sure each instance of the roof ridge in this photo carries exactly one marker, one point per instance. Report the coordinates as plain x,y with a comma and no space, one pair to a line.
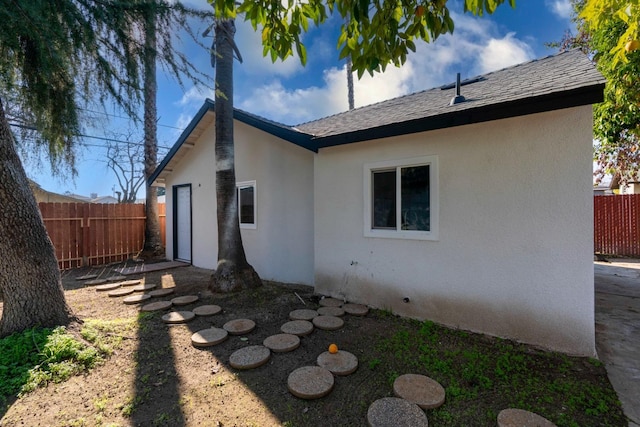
478,76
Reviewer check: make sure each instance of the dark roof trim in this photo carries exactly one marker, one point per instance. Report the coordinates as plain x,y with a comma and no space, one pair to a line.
288,134
549,102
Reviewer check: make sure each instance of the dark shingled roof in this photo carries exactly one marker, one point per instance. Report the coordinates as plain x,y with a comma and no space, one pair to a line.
564,80
559,81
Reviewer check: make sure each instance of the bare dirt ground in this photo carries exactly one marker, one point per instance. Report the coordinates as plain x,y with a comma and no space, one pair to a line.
156,377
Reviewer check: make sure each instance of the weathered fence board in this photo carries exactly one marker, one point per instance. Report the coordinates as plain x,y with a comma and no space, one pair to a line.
92,234
617,224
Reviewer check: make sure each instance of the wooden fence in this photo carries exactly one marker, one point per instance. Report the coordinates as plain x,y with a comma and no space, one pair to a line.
617,225
92,234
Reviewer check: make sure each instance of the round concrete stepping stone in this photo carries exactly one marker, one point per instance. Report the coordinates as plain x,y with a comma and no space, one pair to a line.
156,306
95,282
239,326
249,357
281,343
310,382
136,299
107,287
331,302
328,323
184,300
207,310
208,337
120,292
132,282
303,314
162,292
178,317
143,288
521,418
87,277
419,389
356,309
340,363
331,311
116,278
297,327
393,411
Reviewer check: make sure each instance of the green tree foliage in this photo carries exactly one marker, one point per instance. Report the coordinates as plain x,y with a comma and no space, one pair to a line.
374,33
606,30
56,55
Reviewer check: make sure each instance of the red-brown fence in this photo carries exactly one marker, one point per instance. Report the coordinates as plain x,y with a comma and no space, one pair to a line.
90,233
617,224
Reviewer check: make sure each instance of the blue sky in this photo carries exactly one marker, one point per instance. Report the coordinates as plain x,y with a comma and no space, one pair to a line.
291,94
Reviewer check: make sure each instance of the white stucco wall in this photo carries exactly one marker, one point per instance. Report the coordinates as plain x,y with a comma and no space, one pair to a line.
281,246
514,256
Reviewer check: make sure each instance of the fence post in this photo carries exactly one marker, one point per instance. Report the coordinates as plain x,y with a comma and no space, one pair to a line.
85,250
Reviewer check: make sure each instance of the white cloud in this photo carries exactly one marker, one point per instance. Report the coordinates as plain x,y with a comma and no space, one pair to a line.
504,52
195,96
561,8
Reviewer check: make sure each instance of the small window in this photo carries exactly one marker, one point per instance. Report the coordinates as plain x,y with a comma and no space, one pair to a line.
401,199
247,204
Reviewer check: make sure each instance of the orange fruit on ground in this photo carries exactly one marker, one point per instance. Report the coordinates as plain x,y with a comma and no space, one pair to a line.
333,349
632,45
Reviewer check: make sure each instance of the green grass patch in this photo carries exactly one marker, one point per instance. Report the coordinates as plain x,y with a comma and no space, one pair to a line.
483,375
38,356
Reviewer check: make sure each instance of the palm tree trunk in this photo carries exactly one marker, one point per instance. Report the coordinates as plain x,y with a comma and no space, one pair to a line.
29,276
233,272
152,241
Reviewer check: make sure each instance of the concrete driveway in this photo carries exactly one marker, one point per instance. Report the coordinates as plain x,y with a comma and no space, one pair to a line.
617,286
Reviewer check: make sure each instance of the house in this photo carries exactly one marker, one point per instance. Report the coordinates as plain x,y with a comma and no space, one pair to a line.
46,196
395,204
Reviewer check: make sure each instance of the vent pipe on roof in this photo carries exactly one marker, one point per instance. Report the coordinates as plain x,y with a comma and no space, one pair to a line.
458,98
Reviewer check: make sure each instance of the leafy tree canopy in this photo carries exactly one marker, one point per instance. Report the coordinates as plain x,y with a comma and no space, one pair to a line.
56,55
608,30
374,33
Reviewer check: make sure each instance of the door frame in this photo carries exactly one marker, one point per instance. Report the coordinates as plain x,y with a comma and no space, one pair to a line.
175,222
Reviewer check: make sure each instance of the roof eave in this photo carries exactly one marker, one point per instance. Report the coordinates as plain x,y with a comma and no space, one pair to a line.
549,102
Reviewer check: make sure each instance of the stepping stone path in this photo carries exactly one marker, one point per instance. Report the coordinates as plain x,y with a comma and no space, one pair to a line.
207,310
522,418
356,309
130,282
328,323
303,314
340,363
331,311
297,327
162,292
107,287
393,411
87,277
419,389
143,288
120,292
331,302
116,278
178,317
95,282
239,326
209,337
136,299
250,357
310,382
156,306
282,343
184,300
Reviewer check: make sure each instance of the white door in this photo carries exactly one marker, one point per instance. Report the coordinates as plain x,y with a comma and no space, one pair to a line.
183,223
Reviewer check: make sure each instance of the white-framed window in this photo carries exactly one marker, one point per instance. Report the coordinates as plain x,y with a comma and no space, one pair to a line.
247,206
401,198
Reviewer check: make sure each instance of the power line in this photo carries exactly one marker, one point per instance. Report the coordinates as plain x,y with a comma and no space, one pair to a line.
101,138
124,117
